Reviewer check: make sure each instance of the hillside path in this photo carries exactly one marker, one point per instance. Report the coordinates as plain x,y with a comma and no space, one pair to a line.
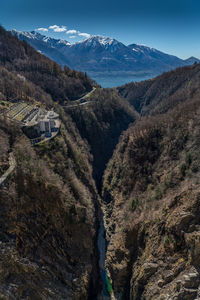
11,168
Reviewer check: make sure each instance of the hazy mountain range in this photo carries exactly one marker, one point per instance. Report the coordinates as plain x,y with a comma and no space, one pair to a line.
103,54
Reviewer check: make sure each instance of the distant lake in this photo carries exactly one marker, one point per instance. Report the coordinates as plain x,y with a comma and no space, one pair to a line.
109,81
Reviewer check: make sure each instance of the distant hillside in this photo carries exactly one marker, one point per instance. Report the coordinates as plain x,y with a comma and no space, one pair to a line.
62,85
159,94
99,54
155,59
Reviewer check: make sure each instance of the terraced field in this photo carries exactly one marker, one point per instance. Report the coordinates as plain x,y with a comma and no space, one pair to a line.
24,113
19,111
16,109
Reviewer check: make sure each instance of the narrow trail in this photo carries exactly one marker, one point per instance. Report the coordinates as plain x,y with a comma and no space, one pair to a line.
11,168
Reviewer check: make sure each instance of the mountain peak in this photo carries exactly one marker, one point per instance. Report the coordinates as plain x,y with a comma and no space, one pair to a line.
33,35
27,34
192,60
106,43
101,39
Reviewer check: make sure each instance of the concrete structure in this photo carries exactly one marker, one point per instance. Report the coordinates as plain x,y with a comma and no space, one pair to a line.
38,123
46,122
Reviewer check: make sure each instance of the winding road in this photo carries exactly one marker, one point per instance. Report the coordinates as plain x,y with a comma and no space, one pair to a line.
78,103
11,168
88,94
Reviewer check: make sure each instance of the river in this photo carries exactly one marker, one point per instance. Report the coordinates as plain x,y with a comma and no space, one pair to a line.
102,258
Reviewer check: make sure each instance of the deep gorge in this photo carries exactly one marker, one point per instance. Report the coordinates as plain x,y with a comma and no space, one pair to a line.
110,207
101,125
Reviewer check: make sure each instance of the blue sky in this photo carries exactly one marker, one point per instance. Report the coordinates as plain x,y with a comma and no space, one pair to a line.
171,26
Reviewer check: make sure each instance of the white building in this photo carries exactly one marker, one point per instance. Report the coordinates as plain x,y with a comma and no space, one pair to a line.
46,121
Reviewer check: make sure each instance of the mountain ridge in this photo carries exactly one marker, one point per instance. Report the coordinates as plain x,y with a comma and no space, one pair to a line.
103,54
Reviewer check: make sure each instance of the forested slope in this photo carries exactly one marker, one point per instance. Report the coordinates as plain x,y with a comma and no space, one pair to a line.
101,122
49,202
160,94
62,84
50,205
151,191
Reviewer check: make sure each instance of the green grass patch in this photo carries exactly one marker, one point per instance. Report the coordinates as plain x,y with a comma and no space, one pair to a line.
109,285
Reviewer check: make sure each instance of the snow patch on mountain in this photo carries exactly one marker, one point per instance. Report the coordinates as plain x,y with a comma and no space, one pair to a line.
30,35
33,35
102,41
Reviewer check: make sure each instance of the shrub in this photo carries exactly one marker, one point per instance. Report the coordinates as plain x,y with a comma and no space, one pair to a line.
135,203
158,193
166,240
149,199
188,159
169,180
183,168
195,167
149,187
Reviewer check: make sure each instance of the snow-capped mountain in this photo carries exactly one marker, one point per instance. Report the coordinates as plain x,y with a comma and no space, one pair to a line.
102,54
50,47
33,35
101,41
99,53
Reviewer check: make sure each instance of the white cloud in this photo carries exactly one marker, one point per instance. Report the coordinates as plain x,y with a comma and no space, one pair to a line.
57,28
42,29
72,31
86,35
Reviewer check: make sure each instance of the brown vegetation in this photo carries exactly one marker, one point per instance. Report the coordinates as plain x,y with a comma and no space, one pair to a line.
101,122
160,94
153,175
61,84
49,211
